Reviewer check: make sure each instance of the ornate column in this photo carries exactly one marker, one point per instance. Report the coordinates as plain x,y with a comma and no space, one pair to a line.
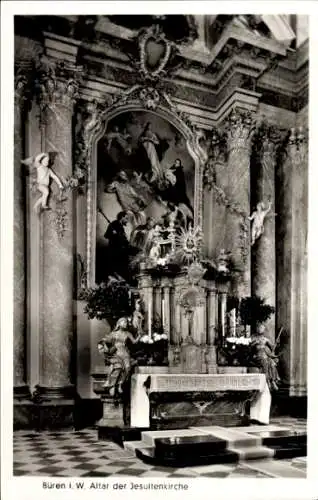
264,251
240,129
292,249
57,91
21,389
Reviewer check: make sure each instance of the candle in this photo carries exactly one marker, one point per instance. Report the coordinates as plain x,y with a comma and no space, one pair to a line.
163,314
233,322
150,315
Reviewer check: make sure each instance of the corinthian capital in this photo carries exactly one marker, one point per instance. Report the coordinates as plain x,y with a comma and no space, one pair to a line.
240,128
57,83
297,145
267,139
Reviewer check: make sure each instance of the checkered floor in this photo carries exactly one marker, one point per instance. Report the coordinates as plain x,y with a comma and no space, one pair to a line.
80,454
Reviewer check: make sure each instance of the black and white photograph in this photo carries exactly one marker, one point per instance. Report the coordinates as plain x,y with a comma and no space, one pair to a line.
160,258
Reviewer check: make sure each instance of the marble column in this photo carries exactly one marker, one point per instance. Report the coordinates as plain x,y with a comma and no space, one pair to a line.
292,286
239,130
57,93
264,251
21,389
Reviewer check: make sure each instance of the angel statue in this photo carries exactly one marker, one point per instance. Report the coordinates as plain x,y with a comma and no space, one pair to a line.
115,348
263,357
257,219
44,174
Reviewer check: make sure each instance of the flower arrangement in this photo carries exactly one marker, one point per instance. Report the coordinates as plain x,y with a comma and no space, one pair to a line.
234,351
152,349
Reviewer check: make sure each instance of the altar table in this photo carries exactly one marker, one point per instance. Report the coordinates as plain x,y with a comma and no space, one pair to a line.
197,399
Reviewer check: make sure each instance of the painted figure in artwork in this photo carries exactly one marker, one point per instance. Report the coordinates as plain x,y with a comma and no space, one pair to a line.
140,234
119,250
123,139
257,218
176,192
44,174
115,348
154,148
127,196
263,357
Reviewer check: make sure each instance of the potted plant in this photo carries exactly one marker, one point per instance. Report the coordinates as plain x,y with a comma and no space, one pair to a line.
108,301
254,312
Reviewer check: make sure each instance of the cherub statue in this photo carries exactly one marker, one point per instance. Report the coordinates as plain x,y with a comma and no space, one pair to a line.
257,219
44,174
263,357
115,348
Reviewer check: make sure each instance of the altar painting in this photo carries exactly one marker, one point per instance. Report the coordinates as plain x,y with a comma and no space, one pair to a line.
145,186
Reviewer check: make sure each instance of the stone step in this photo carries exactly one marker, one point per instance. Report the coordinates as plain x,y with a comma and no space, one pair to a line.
132,445
253,452
232,436
149,456
149,437
216,445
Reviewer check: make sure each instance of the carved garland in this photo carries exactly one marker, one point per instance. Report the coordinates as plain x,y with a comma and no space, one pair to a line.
217,155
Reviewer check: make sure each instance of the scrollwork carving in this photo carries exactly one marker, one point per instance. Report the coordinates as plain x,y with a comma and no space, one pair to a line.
89,122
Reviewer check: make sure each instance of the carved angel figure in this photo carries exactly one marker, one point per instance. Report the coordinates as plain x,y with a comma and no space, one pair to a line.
257,219
44,175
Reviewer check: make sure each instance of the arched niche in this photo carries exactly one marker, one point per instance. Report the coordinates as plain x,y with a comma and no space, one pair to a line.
192,144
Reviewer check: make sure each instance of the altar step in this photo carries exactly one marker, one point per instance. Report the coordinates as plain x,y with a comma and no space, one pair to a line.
216,445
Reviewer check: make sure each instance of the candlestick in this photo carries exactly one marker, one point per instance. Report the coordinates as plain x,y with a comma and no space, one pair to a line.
163,314
150,315
233,322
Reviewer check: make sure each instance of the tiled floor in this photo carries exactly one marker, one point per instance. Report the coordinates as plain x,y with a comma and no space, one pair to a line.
80,454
